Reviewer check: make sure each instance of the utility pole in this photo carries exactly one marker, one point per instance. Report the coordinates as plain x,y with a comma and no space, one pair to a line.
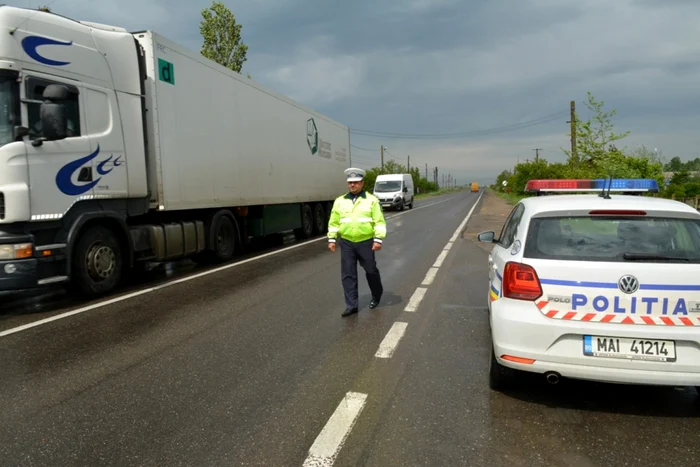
409,163
574,154
426,171
537,154
382,152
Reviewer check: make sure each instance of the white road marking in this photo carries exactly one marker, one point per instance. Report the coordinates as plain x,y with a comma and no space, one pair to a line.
416,299
391,341
332,438
180,280
441,257
430,276
432,272
418,208
466,219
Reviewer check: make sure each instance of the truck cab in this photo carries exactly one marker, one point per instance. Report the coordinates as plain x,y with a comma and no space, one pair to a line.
72,143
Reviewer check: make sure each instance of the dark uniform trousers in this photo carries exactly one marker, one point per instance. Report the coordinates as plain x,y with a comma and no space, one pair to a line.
350,254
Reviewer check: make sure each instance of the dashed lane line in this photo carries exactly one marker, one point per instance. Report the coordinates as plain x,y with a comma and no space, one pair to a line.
331,439
416,299
391,341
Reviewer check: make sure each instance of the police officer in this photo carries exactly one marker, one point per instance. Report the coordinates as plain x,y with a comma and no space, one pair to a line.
358,219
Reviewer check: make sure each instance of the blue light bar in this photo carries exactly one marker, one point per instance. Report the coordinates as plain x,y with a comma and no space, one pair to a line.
597,185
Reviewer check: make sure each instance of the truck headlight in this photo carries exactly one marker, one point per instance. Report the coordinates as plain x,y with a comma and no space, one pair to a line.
18,251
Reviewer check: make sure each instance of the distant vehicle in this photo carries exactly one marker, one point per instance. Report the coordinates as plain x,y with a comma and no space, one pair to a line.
394,190
601,288
474,186
126,147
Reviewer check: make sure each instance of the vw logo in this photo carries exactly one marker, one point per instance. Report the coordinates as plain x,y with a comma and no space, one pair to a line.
628,284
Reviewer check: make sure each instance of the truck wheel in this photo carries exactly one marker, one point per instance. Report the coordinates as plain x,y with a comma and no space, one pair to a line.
319,220
401,206
307,222
224,239
97,262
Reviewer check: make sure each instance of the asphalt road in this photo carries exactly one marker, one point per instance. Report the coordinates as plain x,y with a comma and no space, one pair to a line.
253,365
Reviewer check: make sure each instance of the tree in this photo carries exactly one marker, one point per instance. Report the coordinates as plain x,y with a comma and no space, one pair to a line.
595,135
222,37
641,152
674,165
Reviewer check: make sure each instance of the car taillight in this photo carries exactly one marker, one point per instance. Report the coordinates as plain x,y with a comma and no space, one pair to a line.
520,282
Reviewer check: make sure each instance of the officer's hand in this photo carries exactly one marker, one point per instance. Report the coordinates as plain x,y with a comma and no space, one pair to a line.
331,246
376,246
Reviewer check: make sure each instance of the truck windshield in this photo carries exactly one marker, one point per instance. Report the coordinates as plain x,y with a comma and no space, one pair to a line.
8,102
387,186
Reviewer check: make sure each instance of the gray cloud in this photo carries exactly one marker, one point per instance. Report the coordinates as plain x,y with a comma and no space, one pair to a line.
440,66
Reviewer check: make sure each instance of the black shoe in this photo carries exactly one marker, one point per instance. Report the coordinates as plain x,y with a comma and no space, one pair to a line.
373,304
349,312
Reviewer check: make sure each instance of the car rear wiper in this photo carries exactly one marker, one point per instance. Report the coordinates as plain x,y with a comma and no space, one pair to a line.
650,256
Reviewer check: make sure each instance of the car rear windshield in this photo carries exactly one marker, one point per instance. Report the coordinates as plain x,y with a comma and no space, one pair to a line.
645,239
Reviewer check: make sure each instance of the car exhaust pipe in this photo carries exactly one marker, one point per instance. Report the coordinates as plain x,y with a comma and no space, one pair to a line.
552,377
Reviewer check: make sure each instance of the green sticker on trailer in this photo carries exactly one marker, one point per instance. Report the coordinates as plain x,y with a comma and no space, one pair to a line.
166,71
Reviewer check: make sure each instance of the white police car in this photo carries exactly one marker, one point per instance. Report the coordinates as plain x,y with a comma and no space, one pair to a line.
596,287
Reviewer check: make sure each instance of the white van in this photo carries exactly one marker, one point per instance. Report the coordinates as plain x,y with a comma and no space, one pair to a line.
394,190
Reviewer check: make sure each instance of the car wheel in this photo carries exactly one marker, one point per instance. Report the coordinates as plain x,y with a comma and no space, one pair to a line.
500,377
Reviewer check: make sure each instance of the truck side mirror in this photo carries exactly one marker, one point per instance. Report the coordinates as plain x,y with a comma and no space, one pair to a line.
19,132
405,189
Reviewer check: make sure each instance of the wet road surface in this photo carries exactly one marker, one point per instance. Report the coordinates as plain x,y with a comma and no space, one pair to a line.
252,365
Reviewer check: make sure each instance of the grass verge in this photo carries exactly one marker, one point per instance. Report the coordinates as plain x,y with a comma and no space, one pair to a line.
510,198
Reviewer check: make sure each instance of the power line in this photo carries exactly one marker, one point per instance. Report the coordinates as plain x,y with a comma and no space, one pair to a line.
363,149
515,126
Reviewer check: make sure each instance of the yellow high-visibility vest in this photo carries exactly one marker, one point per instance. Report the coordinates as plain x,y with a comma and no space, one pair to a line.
358,221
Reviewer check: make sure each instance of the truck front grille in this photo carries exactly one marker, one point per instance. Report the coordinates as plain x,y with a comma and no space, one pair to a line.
2,206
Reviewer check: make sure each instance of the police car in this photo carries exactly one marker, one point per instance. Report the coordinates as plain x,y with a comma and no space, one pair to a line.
596,287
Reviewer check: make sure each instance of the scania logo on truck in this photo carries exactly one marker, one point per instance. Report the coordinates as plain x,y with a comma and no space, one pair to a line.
30,44
312,135
64,177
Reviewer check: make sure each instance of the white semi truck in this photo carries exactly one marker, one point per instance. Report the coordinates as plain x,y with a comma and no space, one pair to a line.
118,148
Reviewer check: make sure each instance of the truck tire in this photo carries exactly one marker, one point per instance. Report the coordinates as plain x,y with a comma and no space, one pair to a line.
319,219
224,245
97,262
307,222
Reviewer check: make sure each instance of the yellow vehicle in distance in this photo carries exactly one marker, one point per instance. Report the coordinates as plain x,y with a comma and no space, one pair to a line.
474,187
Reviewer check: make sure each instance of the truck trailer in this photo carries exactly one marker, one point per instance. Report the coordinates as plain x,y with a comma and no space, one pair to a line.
119,148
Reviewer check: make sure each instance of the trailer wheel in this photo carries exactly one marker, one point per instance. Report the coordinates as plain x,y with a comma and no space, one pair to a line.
319,219
97,262
307,222
224,239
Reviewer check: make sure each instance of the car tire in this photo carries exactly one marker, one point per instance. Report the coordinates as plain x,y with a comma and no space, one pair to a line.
501,378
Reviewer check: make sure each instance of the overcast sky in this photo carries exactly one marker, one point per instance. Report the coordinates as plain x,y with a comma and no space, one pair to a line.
431,67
